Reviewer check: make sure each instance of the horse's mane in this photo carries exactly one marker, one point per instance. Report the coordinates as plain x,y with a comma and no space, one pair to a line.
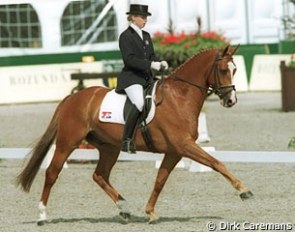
192,58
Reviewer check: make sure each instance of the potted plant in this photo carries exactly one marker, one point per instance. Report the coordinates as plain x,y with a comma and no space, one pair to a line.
175,48
288,43
288,84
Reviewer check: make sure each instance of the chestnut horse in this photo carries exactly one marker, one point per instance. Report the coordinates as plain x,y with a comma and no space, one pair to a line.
182,96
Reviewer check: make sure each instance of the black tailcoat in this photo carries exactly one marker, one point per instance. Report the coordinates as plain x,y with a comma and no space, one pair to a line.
137,56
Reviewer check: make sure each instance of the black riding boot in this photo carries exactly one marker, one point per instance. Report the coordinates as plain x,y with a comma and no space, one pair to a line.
129,129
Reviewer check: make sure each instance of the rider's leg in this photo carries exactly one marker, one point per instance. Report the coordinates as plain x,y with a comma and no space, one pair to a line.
135,94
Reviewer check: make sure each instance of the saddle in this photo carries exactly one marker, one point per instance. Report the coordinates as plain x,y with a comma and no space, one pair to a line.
115,106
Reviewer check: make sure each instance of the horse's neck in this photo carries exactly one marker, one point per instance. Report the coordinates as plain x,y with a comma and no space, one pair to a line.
195,71
197,68
184,97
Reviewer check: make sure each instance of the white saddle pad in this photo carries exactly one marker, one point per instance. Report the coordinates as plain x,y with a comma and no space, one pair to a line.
112,107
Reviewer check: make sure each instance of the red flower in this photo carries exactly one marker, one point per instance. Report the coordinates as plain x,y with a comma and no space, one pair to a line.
172,39
167,39
213,35
186,46
209,35
158,35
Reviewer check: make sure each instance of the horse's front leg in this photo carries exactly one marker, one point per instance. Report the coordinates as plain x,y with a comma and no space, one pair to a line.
196,153
168,164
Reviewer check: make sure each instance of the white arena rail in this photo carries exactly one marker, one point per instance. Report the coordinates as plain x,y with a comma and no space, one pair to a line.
224,156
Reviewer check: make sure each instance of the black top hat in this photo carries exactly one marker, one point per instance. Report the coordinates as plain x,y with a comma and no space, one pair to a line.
137,9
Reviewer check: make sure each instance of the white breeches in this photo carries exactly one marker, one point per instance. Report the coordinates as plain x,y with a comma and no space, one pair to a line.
135,94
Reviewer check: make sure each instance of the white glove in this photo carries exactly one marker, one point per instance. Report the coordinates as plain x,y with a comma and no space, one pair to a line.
156,65
164,64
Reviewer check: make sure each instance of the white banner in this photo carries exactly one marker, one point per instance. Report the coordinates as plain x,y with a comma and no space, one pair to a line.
266,73
240,79
40,83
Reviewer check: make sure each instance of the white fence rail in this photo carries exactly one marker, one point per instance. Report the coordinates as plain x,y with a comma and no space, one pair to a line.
225,156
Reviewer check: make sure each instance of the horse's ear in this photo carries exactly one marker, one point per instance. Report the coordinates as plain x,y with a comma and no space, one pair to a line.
235,49
225,51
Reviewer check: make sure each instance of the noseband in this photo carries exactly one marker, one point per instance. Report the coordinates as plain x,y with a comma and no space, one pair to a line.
216,87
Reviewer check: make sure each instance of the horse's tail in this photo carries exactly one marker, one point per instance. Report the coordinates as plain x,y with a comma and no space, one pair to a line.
39,151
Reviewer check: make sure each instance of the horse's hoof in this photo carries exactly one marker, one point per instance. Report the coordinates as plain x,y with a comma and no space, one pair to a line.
125,216
246,195
152,218
41,222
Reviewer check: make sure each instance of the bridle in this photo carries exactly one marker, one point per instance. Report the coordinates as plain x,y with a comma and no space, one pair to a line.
216,87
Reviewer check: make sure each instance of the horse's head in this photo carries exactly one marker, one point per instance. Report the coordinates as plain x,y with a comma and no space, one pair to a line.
222,76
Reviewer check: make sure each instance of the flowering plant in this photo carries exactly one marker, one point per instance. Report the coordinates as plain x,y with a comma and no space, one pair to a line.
291,64
291,144
175,48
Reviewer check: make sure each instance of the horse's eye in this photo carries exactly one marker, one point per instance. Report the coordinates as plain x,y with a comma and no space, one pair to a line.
223,71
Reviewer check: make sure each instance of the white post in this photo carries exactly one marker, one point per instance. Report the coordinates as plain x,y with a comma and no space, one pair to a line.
48,158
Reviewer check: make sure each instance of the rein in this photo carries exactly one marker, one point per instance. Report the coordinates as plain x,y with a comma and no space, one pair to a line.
162,80
208,89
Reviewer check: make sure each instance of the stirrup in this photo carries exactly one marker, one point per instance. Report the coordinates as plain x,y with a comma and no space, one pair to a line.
128,146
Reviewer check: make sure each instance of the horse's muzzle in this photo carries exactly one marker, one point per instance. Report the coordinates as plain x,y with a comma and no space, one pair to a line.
229,100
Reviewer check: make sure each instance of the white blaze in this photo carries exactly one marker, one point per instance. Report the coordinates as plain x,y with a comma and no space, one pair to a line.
231,68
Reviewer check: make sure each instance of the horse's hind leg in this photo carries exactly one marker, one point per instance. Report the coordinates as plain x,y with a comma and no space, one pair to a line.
108,155
52,172
194,152
168,164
